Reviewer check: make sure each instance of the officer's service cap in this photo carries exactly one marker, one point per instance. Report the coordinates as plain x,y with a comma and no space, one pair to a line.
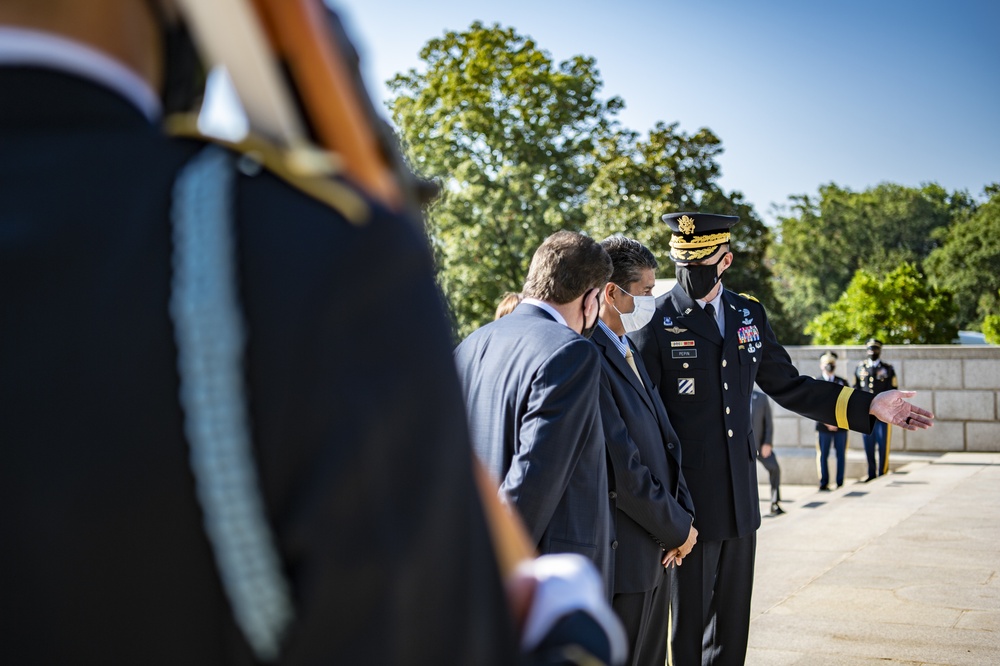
828,357
697,236
872,342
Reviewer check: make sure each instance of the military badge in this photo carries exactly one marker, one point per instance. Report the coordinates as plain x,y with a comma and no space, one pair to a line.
667,321
676,330
685,386
746,313
748,334
686,225
682,343
748,321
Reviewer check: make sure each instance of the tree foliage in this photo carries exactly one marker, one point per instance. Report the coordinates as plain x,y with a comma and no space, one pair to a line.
826,239
899,308
968,261
511,136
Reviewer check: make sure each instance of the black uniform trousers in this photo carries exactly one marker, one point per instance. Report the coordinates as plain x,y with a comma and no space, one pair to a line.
715,581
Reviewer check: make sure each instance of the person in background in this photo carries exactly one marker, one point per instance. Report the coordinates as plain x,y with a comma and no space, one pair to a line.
507,304
763,430
830,435
875,376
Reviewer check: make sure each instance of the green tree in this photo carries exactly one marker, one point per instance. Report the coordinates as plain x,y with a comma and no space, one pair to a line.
826,239
899,308
968,261
639,180
511,137
991,328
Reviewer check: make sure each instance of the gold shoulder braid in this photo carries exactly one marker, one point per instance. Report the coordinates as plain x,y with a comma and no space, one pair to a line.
305,168
749,297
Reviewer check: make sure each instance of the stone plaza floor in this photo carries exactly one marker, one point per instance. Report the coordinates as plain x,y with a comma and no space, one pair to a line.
902,570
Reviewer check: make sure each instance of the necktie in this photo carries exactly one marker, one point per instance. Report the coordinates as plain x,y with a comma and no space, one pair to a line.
631,363
710,311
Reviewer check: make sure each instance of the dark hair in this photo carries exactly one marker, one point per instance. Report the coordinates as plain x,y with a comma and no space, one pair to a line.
629,258
565,266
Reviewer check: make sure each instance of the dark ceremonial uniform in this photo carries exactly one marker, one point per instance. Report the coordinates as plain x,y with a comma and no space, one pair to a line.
363,457
706,383
876,377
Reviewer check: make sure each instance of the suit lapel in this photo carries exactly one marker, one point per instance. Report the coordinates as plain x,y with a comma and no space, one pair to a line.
616,359
691,316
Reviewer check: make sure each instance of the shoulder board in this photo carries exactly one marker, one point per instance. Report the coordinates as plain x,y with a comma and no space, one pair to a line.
749,297
305,168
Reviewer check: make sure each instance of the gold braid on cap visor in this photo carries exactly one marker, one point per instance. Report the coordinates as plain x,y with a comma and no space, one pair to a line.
702,247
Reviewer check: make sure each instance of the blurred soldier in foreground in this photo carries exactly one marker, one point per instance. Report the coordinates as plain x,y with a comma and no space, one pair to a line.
202,461
704,349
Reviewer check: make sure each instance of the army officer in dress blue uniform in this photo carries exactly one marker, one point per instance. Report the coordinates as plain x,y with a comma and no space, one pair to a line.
873,375
704,349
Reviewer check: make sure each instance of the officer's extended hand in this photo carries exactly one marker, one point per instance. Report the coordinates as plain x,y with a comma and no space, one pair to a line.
891,407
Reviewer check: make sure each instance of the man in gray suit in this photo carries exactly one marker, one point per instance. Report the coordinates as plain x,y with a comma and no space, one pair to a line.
762,422
654,518
530,381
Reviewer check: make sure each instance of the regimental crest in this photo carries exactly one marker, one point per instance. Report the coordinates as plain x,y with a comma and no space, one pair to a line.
686,225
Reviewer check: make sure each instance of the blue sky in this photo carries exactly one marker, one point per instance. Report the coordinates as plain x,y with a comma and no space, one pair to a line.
801,93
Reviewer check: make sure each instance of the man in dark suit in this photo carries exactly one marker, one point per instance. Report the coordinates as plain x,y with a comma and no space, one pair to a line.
654,514
873,375
829,435
704,349
530,381
360,461
763,432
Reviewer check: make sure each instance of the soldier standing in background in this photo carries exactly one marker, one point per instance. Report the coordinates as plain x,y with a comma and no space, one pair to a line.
874,376
828,434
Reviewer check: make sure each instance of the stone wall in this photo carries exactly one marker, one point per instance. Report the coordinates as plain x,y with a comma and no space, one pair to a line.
959,383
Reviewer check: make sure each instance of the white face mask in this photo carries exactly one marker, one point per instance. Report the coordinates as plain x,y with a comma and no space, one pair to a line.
641,314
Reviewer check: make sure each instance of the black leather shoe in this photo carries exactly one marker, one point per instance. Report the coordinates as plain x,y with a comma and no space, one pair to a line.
825,489
776,510
870,478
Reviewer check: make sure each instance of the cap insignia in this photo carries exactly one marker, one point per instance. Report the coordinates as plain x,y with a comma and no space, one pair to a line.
686,225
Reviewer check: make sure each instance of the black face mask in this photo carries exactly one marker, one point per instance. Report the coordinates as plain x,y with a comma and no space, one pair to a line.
698,279
873,354
828,368
588,330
